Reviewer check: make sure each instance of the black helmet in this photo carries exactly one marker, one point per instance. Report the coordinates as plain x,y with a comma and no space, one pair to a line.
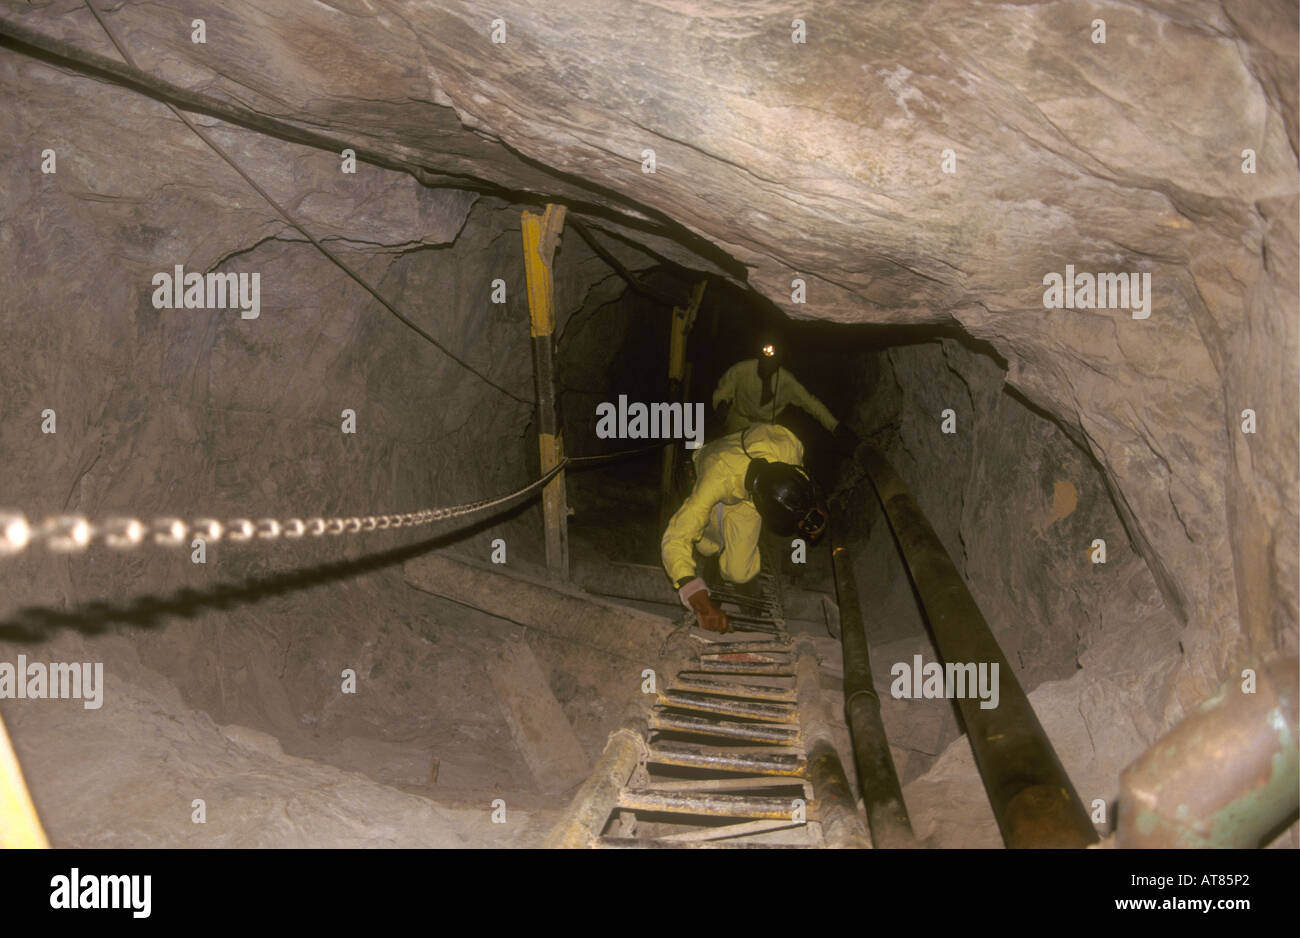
785,498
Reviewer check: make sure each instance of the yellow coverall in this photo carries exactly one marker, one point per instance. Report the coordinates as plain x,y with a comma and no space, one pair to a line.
742,386
719,515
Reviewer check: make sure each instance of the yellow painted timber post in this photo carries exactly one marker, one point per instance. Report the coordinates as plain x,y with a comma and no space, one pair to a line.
683,320
541,235
19,825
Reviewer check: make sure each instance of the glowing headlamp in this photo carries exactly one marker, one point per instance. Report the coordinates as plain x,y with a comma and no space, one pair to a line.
813,524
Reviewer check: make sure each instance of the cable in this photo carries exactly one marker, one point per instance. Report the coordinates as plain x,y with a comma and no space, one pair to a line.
289,219
74,533
622,454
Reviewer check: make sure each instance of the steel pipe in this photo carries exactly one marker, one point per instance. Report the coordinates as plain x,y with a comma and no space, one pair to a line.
1226,776
1032,797
877,777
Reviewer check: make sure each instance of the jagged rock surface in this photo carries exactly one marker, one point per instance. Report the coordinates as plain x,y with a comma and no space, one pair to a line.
823,160
774,160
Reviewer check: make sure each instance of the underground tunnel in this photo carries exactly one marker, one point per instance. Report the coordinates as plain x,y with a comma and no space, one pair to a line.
311,312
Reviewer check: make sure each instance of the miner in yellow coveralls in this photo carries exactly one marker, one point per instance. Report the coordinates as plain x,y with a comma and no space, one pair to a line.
744,481
758,389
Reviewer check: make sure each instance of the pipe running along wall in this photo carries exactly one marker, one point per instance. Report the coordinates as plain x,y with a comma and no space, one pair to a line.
1032,797
877,778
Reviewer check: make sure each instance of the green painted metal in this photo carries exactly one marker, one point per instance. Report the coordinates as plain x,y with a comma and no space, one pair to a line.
1227,776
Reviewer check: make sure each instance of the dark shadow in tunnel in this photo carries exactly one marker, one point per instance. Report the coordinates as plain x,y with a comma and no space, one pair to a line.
38,623
821,335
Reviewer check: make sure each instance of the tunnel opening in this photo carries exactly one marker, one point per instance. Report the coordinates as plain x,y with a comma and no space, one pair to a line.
255,670
337,702
1017,524
422,727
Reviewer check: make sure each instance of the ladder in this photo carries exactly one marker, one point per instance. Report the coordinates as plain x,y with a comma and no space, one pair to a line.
734,752
724,762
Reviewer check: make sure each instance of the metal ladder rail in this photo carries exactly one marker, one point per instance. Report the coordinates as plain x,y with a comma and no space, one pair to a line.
735,718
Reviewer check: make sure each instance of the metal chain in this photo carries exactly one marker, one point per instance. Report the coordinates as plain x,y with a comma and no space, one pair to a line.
74,533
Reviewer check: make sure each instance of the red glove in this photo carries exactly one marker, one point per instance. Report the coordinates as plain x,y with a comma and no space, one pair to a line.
695,596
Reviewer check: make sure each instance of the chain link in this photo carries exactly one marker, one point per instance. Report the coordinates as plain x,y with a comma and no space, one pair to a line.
70,534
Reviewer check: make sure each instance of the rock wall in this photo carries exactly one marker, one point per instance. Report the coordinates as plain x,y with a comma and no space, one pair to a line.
920,166
203,413
1020,509
194,412
827,160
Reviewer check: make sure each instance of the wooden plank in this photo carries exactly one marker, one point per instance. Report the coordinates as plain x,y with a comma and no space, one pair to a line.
537,722
554,609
